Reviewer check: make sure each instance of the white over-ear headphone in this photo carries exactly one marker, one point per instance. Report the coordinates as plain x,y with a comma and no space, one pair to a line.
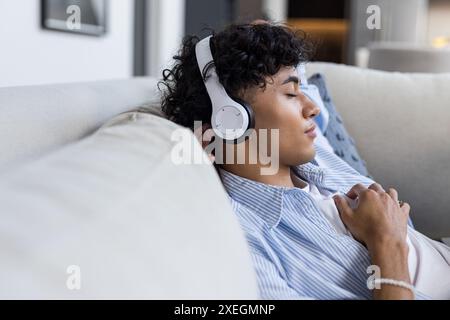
230,119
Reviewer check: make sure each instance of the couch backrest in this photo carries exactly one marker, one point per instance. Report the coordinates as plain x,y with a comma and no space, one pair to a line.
37,119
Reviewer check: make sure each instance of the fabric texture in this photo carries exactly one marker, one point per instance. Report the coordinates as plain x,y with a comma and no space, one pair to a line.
336,133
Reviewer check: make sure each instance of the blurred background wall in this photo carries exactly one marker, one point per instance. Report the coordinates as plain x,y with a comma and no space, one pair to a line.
32,55
143,35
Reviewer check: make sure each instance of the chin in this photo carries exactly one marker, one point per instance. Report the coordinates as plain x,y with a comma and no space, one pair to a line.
310,156
303,157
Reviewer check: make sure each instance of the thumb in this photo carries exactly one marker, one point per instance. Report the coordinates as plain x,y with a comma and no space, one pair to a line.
345,211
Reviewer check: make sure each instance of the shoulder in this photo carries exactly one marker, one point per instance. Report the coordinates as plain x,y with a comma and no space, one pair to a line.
247,216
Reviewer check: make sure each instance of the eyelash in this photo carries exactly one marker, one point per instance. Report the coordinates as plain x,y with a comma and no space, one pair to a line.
291,95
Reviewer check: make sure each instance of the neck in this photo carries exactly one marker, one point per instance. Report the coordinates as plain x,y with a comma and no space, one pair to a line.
253,172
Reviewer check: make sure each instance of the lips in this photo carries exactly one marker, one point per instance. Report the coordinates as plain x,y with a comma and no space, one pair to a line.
311,132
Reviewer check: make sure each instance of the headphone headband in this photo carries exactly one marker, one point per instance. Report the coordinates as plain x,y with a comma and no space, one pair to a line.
230,119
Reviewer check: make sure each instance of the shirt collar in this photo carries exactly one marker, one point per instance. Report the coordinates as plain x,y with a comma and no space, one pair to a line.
266,200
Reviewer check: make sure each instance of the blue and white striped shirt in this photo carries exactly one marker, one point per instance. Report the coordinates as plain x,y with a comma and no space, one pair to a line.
296,252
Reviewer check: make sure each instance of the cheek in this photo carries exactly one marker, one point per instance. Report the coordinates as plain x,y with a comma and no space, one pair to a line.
291,123
273,111
284,115
277,113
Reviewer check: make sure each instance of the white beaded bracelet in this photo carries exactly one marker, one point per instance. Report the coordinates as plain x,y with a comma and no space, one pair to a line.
397,283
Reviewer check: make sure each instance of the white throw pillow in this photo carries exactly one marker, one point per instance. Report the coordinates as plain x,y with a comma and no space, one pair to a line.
115,209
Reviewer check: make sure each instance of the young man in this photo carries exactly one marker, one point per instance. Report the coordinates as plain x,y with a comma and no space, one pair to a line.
306,238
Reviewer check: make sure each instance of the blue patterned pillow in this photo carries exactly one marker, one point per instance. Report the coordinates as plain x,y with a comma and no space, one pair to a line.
336,134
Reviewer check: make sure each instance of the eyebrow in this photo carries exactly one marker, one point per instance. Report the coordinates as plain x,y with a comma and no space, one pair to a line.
293,79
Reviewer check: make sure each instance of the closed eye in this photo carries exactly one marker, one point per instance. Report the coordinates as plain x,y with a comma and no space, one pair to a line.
291,95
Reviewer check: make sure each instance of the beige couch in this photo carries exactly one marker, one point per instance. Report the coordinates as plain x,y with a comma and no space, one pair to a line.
111,203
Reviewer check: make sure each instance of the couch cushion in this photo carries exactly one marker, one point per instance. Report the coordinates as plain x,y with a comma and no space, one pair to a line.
116,206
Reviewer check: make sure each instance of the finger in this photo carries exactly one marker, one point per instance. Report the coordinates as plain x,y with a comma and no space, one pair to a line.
406,208
393,193
356,190
376,187
344,208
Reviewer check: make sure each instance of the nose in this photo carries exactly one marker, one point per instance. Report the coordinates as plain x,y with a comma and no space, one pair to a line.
310,109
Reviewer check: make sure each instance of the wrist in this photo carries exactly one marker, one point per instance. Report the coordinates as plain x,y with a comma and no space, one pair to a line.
392,258
385,246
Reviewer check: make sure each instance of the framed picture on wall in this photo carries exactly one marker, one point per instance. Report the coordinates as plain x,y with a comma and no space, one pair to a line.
75,16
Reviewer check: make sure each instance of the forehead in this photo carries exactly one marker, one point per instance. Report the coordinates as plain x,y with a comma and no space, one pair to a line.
273,84
284,73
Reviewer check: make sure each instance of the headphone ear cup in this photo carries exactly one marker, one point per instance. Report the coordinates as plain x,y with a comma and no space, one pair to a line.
250,114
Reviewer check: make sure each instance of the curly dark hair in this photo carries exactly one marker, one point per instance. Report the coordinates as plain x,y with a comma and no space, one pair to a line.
244,56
